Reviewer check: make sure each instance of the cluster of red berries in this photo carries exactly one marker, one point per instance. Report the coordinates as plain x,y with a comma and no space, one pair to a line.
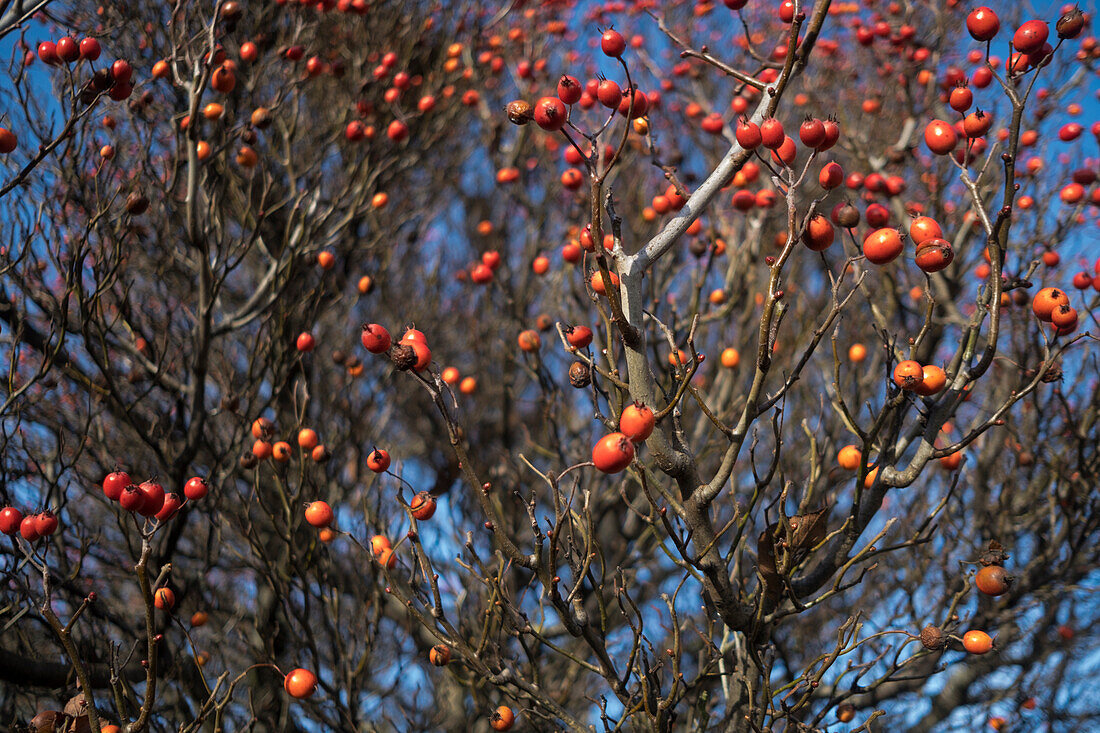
411,352
31,527
1051,305
1029,42
814,133
481,272
1031,51
263,430
614,452
149,499
67,50
115,79
550,112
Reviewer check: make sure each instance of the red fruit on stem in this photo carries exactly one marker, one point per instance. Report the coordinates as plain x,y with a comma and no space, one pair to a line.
172,504
378,460
375,338
28,528
748,134
1030,36
152,498
319,514
960,99
131,498
831,176
10,519
300,683
196,488
114,483
832,135
569,89
45,523
581,336
819,234
550,113
983,24
924,228
609,94
121,71
786,152
882,246
612,453
977,123
812,133
89,49
877,215
422,506
423,354
397,131
68,50
164,599
771,133
413,334
47,53
940,137
637,422
8,141
934,254
612,43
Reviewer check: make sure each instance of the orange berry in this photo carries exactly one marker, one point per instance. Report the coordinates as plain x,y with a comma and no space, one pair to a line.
164,599
439,655
977,642
281,451
869,480
319,514
502,718
934,379
307,439
300,683
1046,300
262,427
378,543
849,457
908,375
951,461
387,559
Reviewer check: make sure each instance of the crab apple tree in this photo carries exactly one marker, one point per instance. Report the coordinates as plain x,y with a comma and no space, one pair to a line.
469,366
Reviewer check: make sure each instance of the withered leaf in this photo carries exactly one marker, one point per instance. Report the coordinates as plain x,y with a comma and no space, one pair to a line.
994,555
807,531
